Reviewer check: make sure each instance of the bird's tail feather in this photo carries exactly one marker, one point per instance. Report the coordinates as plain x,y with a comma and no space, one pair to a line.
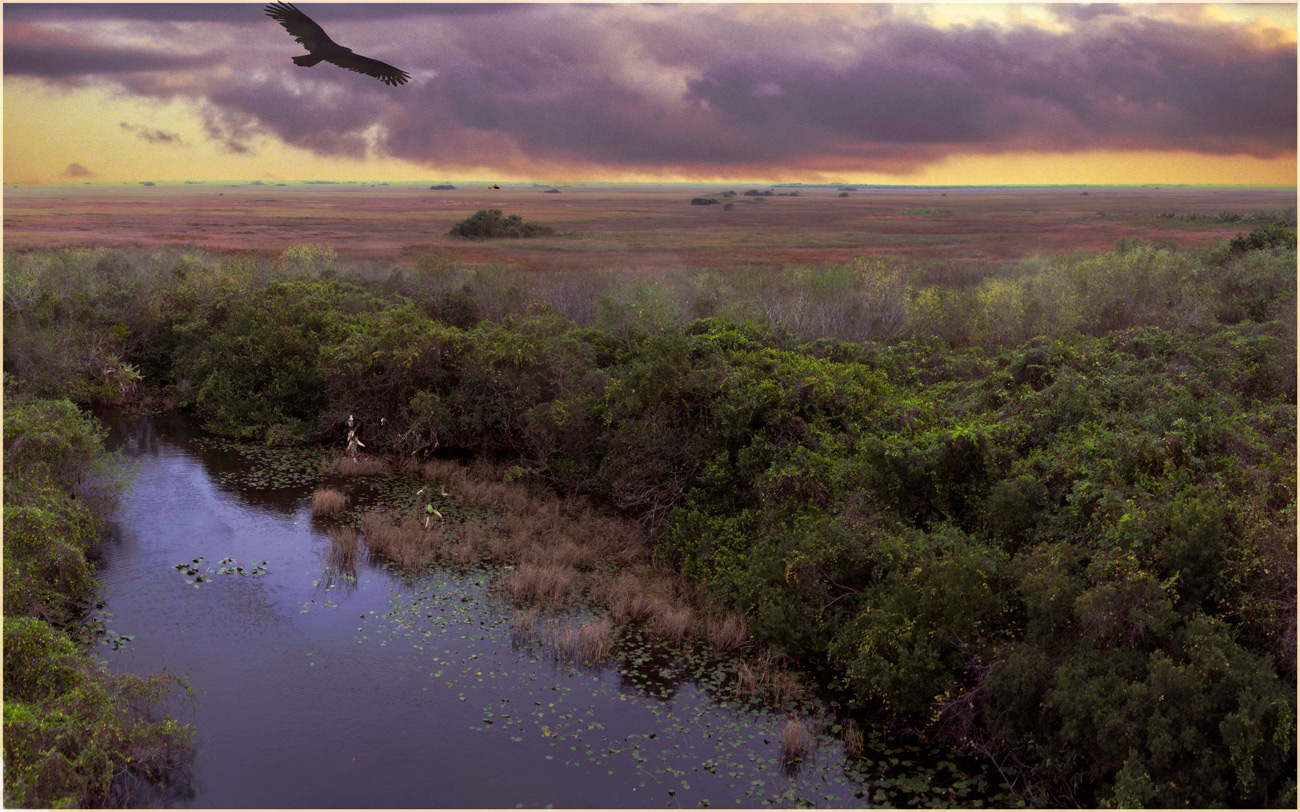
306,60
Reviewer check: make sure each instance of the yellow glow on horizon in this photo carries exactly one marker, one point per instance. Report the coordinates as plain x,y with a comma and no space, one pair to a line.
1106,167
46,129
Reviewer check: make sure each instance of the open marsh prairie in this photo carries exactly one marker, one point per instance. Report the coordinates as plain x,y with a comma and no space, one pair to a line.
651,227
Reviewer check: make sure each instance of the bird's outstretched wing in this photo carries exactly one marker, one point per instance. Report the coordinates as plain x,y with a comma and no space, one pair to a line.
309,35
371,67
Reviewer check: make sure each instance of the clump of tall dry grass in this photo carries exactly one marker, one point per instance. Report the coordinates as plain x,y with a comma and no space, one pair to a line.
726,632
672,622
595,641
781,686
461,552
564,641
589,643
563,554
476,533
441,470
547,585
766,680
626,596
360,465
796,740
560,546
406,544
852,737
343,553
327,501
664,602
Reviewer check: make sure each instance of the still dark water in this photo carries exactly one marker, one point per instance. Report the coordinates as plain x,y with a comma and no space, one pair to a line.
381,691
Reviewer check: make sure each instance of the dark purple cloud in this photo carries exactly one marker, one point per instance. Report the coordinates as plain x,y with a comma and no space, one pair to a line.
153,136
77,60
235,12
1087,11
729,89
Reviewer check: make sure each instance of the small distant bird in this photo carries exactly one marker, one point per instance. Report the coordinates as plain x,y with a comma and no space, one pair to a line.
312,37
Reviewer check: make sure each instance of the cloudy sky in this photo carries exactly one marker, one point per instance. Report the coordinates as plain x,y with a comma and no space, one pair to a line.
866,93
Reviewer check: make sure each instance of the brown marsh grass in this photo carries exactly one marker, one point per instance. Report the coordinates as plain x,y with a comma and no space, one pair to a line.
462,552
816,228
327,501
672,622
561,546
360,465
564,641
852,737
666,602
546,585
766,680
595,641
796,740
406,544
726,632
625,595
441,470
590,642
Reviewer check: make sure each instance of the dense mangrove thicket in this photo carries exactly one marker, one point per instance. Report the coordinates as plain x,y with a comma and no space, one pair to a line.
1043,511
74,735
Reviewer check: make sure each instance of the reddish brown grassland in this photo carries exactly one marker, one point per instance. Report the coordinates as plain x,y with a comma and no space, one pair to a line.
648,227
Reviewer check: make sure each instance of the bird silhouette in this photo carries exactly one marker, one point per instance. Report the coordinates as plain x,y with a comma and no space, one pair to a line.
312,37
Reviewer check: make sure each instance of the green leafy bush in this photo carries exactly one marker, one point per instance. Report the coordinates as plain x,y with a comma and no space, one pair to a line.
72,728
1273,235
489,224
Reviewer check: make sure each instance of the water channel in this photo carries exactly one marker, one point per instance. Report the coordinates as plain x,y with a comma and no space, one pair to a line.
387,691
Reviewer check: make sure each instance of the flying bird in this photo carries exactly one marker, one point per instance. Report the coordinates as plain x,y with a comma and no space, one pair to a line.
312,37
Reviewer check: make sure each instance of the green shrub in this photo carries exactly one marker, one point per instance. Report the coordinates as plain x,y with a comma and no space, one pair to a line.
258,370
308,259
488,224
1273,235
71,728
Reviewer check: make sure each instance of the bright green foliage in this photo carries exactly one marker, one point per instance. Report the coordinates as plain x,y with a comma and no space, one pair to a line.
71,727
313,259
57,485
256,373
1273,235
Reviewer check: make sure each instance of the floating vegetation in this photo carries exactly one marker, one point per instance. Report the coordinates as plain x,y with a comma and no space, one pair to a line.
267,467
197,575
94,629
